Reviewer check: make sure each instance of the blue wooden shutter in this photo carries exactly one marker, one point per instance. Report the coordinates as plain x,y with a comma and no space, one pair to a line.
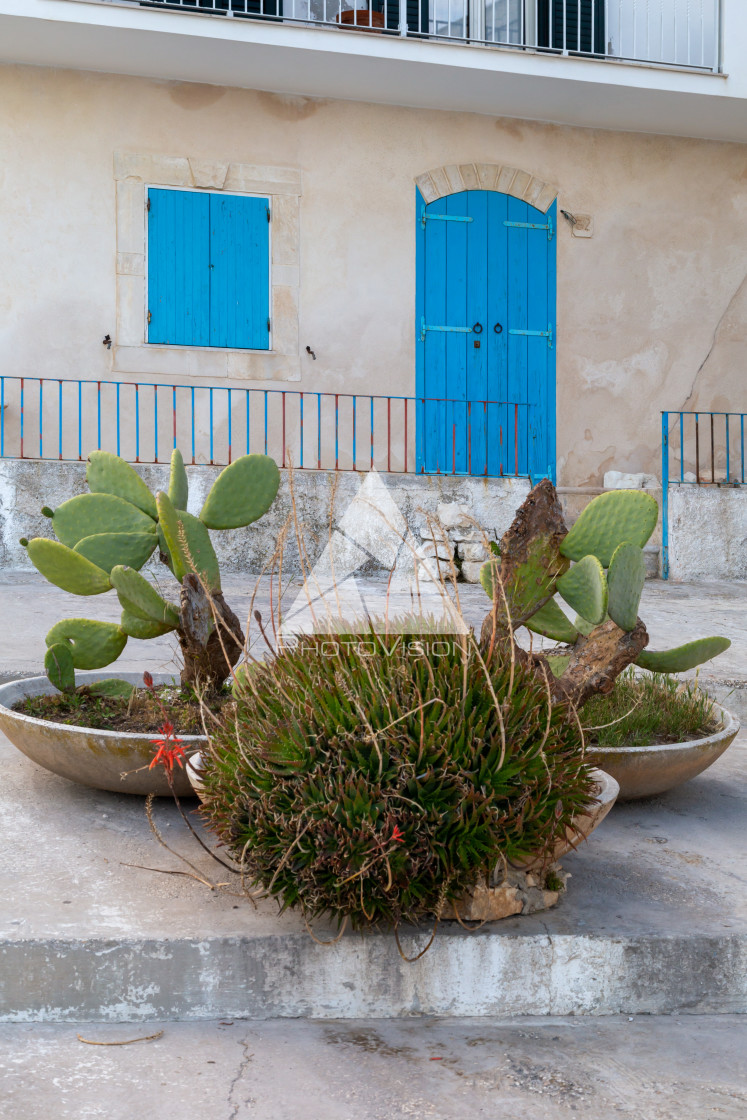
239,272
178,268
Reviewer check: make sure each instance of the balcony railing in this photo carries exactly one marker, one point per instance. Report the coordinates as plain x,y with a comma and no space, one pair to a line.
65,419
679,33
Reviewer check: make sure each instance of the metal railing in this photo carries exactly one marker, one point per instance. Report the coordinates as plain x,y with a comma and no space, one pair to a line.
699,449
65,419
680,33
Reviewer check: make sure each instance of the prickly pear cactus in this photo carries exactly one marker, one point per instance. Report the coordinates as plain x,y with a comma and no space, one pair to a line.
607,635
105,537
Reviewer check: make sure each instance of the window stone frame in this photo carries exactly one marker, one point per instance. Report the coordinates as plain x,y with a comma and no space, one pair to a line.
133,173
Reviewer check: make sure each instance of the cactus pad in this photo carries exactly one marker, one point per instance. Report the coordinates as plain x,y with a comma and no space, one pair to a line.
112,686
188,542
143,628
108,474
107,549
67,569
607,521
58,663
92,644
584,588
140,598
241,493
682,658
90,514
558,663
178,484
552,622
583,626
625,580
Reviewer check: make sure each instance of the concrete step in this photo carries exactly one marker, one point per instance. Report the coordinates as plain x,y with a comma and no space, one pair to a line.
654,922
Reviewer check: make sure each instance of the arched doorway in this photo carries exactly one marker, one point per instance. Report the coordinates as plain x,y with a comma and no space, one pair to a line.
485,335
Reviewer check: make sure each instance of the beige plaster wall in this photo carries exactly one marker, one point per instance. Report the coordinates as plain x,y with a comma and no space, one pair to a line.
652,310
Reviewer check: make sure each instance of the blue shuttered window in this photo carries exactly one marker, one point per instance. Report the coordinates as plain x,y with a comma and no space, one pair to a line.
208,270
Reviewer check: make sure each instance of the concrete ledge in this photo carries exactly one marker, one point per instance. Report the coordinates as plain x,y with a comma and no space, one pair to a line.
113,980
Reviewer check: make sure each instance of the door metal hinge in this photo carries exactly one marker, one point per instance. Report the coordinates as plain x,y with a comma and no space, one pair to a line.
534,225
424,327
149,316
268,326
269,214
147,205
425,217
538,334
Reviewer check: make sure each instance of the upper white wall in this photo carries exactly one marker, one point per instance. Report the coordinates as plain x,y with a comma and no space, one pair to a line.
321,62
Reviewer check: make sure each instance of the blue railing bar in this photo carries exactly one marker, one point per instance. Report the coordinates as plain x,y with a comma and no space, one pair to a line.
80,421
98,415
318,431
118,429
229,424
300,456
21,417
741,441
59,421
193,421
155,422
265,421
41,417
728,470
337,432
211,427
173,413
2,417
137,423
665,495
246,395
355,460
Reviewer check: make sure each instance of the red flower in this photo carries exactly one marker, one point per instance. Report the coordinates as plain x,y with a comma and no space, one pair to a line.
397,835
170,748
147,680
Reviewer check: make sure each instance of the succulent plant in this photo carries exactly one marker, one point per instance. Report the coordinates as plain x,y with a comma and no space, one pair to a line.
379,778
603,587
105,537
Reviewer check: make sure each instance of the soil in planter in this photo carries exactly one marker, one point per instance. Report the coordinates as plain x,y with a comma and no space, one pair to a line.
647,709
141,714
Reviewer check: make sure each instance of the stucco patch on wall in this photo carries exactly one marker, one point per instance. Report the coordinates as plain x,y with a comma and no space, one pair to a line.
134,172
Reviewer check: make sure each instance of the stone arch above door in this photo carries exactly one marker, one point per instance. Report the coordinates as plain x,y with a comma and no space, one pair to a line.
453,178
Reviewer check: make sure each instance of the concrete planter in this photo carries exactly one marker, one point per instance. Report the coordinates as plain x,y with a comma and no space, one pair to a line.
82,754
645,771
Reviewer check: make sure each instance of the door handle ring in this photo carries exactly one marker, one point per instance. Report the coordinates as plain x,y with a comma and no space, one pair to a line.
498,328
477,328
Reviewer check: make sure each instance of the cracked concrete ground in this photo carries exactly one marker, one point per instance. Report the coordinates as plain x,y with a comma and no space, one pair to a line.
677,1068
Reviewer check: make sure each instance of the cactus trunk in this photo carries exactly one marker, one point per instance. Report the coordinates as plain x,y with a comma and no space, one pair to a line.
210,637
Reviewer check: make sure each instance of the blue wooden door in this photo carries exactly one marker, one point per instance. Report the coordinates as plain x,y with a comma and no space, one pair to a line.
485,336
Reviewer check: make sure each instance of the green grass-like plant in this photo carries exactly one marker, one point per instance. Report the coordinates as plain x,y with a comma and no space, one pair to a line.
647,708
376,776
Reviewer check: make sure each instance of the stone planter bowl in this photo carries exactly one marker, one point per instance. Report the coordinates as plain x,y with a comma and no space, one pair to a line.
82,754
646,771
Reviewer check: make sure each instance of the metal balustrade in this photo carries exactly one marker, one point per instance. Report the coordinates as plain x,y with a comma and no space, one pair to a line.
699,449
679,33
65,419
